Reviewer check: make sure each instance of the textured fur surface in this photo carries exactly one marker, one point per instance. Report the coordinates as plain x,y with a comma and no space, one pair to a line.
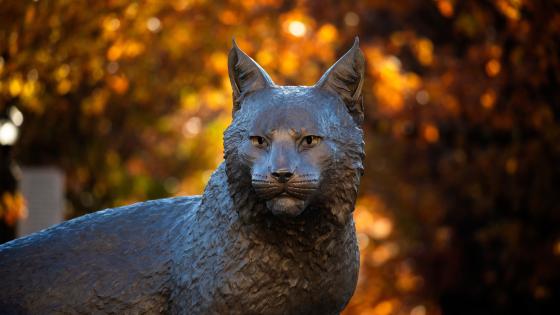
224,252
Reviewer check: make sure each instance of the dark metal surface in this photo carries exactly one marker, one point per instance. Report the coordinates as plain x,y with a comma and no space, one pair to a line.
272,233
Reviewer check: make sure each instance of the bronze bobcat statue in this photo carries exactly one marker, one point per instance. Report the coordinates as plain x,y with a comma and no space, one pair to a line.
272,234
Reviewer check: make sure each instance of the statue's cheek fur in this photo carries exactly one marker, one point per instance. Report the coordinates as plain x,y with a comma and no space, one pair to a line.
338,192
339,187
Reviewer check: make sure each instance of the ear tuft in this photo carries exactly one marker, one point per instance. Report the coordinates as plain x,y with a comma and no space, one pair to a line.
245,75
345,78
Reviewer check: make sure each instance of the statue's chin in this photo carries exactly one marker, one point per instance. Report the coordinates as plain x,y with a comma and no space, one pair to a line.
286,206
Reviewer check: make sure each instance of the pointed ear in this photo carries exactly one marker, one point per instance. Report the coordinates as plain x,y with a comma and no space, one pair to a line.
345,78
245,75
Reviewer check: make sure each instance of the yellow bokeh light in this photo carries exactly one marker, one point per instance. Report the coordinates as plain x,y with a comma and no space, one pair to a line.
114,53
297,28
181,5
218,62
62,72
13,206
493,67
510,8
384,308
119,84
383,253
265,57
64,86
215,99
381,228
431,133
289,64
189,102
363,219
15,85
445,8
111,24
327,33
424,51
488,99
131,11
392,85
133,48
228,17
29,89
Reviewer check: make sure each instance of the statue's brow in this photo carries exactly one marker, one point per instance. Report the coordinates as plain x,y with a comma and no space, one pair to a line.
293,132
271,133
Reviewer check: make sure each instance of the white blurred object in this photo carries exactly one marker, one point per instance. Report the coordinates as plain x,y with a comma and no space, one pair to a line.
8,132
16,116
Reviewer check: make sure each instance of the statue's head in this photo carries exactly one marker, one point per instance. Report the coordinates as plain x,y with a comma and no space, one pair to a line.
295,149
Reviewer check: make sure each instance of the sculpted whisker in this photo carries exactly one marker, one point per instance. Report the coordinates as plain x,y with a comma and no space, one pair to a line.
304,186
304,181
266,191
262,181
306,175
303,192
265,186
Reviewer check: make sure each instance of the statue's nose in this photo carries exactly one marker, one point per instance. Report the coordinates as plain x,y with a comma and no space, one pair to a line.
282,175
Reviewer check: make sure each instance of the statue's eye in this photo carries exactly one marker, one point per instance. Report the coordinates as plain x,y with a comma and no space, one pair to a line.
258,141
310,141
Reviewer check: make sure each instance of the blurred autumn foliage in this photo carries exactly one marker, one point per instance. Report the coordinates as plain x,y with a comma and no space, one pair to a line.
460,204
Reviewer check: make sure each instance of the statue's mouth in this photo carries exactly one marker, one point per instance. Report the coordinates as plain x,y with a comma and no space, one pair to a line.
300,190
285,199
286,194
